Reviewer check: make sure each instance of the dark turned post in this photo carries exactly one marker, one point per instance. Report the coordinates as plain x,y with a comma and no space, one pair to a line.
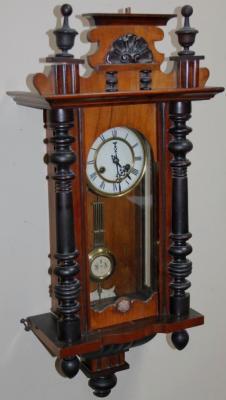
180,267
66,81
68,287
187,63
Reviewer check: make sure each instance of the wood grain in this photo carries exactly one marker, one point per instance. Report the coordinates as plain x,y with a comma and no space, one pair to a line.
111,316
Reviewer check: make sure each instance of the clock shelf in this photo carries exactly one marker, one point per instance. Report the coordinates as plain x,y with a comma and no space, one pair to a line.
109,99
128,18
44,326
117,144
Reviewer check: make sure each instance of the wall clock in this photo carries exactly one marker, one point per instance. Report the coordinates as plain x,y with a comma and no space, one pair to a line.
117,166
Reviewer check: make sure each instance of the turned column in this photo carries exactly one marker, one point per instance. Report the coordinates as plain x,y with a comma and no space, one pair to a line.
67,288
180,266
187,73
65,80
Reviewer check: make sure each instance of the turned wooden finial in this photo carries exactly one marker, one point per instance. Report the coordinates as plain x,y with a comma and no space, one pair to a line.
186,35
186,61
65,35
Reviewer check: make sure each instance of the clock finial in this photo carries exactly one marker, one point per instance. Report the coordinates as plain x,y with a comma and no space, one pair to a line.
186,35
187,11
65,35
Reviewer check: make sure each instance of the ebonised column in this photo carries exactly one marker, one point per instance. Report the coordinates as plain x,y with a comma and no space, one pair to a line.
68,287
61,121
180,266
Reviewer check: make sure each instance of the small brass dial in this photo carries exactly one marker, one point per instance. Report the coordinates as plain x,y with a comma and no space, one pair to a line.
102,264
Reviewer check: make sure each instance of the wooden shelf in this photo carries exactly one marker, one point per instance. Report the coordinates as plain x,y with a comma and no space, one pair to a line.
112,98
44,327
130,19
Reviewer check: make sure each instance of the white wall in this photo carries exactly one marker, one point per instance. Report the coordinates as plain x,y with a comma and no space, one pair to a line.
157,371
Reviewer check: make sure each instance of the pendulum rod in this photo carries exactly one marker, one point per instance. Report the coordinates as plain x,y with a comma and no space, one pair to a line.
98,224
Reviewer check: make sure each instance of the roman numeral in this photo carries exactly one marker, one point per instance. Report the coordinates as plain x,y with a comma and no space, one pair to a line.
91,162
138,158
93,176
102,138
114,133
134,171
115,187
102,185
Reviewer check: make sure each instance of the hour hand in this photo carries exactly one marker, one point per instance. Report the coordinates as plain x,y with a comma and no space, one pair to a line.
124,170
115,159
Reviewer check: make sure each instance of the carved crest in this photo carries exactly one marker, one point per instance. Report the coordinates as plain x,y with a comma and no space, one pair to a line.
129,48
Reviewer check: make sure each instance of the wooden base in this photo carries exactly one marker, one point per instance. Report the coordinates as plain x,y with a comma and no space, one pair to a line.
44,326
91,368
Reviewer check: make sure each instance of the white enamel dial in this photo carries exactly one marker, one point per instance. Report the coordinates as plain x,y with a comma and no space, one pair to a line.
116,161
101,267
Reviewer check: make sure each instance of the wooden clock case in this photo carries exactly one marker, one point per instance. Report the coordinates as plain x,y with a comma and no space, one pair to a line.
126,88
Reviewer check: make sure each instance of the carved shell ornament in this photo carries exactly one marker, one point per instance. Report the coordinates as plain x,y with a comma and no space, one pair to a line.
129,48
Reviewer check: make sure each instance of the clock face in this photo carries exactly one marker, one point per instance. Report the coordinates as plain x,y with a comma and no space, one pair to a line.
116,161
101,267
101,264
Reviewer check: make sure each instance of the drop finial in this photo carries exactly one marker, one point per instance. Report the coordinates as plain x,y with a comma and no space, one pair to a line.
65,36
180,339
186,35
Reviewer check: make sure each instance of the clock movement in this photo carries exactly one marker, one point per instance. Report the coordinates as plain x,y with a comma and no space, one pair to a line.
118,194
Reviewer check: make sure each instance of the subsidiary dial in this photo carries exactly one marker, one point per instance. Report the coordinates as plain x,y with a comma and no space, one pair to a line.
102,264
116,161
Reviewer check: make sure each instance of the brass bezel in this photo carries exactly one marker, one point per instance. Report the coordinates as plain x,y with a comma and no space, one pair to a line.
97,252
142,140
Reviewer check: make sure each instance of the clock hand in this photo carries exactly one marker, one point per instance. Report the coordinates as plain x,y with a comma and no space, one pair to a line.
127,169
118,180
120,168
114,157
122,171
115,160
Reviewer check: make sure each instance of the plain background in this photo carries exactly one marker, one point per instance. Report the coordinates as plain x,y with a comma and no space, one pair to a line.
157,371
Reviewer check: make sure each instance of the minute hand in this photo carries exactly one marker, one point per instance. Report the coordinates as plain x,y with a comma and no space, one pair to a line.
115,160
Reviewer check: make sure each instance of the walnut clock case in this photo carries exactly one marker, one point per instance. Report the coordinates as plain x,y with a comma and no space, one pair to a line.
117,175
